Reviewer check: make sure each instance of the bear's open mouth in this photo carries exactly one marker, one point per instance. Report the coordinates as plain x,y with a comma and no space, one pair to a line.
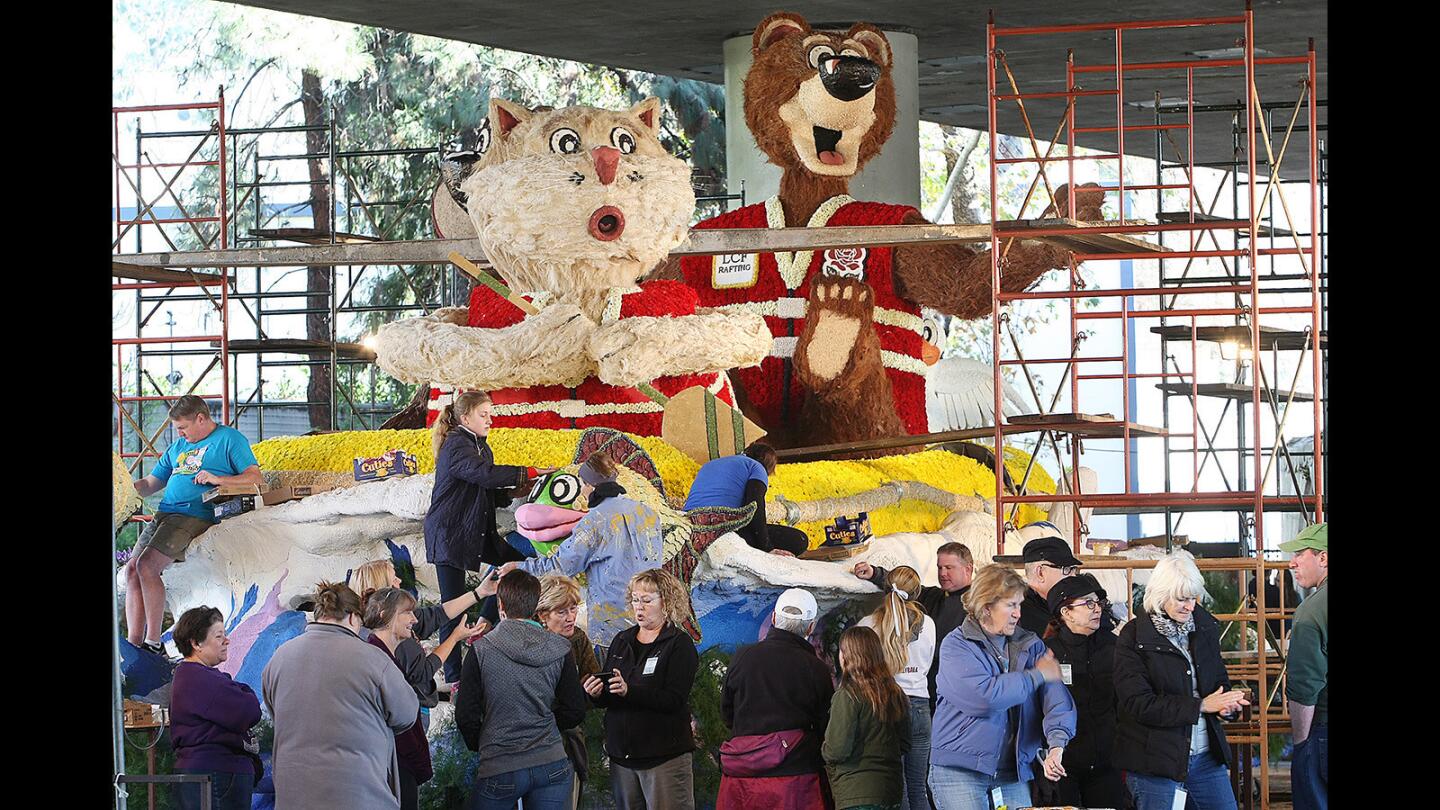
826,141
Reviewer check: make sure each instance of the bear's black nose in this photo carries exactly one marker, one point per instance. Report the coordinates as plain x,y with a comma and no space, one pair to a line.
848,77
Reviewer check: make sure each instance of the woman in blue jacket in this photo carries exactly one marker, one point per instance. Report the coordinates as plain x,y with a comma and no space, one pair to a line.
460,526
1002,715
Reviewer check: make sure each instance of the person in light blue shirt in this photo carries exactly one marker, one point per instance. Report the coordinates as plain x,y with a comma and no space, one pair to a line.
206,455
734,481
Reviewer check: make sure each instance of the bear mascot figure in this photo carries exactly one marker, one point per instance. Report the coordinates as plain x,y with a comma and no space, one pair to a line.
848,359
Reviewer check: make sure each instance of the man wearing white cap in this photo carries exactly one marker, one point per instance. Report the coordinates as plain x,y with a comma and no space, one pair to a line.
776,701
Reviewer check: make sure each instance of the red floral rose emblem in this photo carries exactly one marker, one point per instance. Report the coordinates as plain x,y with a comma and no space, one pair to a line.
845,262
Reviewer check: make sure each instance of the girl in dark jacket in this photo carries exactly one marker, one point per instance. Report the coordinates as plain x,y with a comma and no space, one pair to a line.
460,526
1172,690
1087,664
648,673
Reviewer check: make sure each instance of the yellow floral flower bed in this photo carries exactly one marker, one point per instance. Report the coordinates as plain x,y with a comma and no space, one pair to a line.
805,481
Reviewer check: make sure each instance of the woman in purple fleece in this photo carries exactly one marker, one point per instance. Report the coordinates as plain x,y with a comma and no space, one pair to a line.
211,715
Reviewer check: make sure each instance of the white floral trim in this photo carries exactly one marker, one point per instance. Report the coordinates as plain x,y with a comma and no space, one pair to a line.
903,362
613,300
564,407
793,265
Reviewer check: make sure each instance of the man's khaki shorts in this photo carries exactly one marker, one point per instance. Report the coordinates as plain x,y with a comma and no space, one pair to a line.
170,533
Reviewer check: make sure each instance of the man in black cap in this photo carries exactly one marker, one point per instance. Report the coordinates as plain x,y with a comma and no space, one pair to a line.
1047,561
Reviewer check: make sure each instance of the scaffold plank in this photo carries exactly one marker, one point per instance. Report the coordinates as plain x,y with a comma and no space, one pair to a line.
299,346
311,236
1271,337
1085,240
156,273
1239,224
1242,393
1086,426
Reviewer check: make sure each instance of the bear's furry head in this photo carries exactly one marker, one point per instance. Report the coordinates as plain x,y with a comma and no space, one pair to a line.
575,200
820,101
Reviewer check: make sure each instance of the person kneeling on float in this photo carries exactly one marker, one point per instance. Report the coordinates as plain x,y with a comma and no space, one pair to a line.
206,455
735,481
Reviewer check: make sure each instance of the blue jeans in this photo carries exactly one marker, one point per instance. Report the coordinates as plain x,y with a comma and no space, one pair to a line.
1207,785
964,789
543,787
452,584
228,791
1310,771
917,762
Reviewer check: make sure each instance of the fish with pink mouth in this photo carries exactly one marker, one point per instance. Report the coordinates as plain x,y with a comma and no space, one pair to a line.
562,499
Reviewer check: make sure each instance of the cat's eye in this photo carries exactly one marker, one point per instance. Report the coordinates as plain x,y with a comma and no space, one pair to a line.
565,140
928,333
484,145
622,139
818,52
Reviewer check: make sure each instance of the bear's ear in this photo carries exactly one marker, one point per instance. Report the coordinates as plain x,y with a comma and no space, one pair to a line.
506,115
648,111
874,40
776,27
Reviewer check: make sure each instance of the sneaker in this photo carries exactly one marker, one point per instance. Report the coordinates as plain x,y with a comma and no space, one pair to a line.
158,649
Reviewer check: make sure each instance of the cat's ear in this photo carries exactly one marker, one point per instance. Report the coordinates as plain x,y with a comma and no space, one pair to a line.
506,115
648,111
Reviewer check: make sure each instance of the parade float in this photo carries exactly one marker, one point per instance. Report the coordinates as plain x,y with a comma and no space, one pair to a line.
585,336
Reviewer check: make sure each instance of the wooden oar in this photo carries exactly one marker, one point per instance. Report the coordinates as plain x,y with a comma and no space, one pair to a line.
695,422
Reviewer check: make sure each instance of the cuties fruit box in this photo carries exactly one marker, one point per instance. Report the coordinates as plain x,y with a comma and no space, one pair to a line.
390,464
849,531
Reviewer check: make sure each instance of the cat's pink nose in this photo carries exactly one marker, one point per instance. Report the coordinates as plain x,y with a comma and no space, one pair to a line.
606,158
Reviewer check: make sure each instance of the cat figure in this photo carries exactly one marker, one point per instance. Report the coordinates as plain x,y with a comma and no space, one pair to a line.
573,206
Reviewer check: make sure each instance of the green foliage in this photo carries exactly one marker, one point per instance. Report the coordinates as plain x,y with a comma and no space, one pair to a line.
454,766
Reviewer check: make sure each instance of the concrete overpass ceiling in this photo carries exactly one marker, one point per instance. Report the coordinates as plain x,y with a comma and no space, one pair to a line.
684,39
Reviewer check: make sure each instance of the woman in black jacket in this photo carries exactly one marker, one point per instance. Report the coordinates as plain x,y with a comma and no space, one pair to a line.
1087,664
645,689
460,526
1172,690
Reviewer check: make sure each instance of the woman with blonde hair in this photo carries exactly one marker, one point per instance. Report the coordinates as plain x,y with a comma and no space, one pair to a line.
557,610
460,530
645,690
419,666
1173,691
1000,703
868,734
907,637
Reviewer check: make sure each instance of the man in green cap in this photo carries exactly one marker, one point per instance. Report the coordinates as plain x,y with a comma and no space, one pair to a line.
1307,690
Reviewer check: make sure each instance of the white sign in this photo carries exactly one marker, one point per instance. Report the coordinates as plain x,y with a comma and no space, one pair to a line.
734,270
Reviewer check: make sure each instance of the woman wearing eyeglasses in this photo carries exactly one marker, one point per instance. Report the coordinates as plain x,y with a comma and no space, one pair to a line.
645,689
1087,666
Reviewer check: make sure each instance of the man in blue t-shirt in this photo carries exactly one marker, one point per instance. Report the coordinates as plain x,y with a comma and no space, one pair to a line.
734,481
206,455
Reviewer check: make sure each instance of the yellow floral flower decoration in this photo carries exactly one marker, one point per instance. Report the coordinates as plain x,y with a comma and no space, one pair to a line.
328,459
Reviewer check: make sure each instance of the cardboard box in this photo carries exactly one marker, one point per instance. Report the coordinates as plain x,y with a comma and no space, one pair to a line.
226,491
145,715
849,531
237,505
392,464
283,494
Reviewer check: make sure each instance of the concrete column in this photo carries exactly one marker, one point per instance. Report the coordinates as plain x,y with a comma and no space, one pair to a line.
893,176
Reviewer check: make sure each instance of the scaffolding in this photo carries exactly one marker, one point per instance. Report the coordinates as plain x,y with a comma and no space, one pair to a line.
204,228
1242,307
